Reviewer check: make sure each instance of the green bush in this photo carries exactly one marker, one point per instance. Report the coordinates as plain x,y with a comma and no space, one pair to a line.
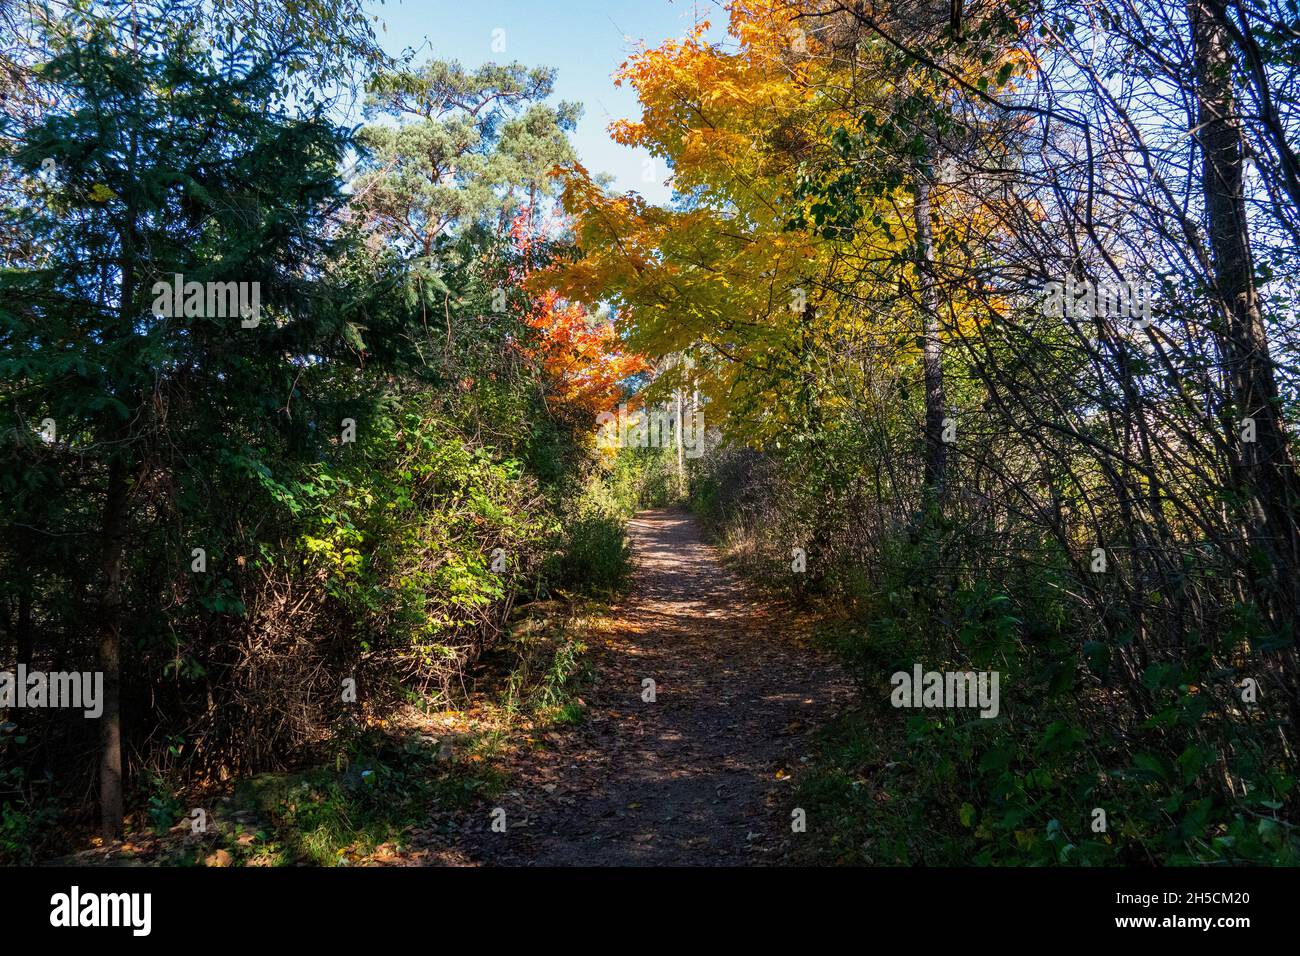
659,483
1029,787
27,828
597,557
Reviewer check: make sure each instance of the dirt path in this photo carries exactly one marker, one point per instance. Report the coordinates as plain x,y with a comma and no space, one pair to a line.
701,776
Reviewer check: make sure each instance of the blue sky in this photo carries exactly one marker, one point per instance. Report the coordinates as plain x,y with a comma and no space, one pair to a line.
585,40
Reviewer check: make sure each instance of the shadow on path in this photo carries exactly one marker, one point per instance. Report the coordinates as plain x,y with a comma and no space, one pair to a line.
702,775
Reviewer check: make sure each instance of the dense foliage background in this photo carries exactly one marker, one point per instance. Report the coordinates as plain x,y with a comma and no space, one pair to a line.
232,522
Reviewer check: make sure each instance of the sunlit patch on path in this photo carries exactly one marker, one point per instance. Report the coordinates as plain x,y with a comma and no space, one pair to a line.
702,775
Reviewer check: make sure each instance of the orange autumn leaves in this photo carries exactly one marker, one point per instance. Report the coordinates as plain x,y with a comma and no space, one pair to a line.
582,355
713,277
584,362
731,275
712,113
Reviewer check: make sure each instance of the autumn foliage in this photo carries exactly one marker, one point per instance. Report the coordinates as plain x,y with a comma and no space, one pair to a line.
584,363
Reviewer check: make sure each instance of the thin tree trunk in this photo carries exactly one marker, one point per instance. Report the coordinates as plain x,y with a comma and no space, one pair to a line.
24,643
681,459
23,640
109,659
1265,470
936,452
113,557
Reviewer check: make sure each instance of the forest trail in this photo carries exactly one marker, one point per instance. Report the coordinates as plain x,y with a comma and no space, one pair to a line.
704,775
